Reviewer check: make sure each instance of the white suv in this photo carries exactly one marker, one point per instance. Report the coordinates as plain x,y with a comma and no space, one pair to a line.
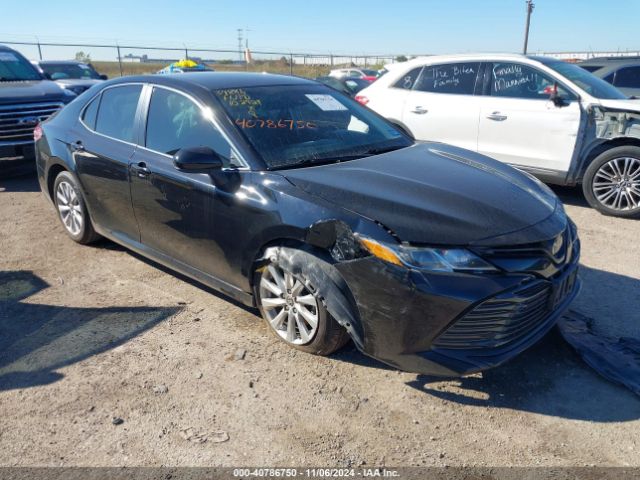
547,117
365,73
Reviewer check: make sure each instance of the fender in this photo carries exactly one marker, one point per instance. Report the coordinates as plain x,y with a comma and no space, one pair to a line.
605,128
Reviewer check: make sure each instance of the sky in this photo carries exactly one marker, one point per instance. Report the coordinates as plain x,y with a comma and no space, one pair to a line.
355,27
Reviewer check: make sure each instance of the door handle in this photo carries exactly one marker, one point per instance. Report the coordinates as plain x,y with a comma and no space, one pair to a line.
497,116
77,146
419,110
140,169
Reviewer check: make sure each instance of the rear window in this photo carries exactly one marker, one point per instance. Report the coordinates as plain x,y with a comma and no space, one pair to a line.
90,113
407,81
628,77
117,112
293,125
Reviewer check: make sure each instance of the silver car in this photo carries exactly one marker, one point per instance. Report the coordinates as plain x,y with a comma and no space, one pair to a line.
71,74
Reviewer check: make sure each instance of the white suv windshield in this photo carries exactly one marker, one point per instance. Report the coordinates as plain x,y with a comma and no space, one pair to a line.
589,83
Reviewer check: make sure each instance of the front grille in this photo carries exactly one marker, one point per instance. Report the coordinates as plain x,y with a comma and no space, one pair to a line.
546,259
500,320
18,121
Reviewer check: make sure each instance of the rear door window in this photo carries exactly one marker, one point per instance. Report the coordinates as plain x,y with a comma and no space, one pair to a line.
117,112
450,78
628,77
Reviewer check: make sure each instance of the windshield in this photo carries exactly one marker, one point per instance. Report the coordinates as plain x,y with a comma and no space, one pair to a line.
590,68
591,84
298,125
61,71
14,67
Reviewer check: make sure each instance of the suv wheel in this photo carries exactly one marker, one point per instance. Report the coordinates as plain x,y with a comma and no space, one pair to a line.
72,210
295,313
611,183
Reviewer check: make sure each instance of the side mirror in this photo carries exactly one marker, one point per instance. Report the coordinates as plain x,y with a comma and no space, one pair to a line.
197,159
556,98
104,77
47,76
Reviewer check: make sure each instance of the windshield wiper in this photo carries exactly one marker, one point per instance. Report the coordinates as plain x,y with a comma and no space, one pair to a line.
381,150
341,158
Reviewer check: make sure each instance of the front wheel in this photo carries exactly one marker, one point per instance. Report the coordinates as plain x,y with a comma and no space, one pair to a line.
611,183
295,313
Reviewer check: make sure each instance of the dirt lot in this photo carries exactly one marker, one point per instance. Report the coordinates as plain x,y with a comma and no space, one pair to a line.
89,334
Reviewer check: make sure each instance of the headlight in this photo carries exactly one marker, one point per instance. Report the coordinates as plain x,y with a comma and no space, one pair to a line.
432,259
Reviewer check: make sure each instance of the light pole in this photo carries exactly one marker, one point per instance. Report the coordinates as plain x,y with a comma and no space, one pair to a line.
530,6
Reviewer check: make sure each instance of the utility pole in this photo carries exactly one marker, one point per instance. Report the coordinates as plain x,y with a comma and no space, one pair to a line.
240,56
246,37
530,6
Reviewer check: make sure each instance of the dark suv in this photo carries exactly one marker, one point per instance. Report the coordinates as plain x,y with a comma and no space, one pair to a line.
27,97
621,72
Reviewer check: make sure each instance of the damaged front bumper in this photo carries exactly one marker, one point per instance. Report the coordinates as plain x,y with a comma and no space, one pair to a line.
452,324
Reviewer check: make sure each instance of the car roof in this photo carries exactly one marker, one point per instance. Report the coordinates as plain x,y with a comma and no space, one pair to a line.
217,80
60,62
464,57
611,62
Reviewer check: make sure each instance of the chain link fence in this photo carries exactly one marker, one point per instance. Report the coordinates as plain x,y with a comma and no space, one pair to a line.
119,60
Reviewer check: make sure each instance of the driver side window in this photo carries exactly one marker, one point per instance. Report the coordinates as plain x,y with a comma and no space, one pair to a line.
174,121
522,81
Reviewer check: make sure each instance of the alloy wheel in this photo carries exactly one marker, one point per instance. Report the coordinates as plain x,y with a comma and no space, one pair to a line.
616,184
68,203
289,305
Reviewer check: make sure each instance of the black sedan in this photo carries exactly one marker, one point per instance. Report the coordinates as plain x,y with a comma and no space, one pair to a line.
289,196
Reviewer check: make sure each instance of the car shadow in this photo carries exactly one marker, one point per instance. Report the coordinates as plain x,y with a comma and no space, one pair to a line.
549,378
22,183
570,195
36,340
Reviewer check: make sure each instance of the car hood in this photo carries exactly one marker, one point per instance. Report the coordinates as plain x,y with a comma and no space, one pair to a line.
30,92
630,105
79,82
437,194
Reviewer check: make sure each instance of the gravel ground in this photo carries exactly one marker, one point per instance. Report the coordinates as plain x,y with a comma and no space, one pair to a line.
107,359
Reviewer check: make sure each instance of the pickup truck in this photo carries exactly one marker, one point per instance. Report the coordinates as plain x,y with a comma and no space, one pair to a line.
27,97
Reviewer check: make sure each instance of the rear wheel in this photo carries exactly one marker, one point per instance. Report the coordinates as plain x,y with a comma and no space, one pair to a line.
72,209
295,313
611,183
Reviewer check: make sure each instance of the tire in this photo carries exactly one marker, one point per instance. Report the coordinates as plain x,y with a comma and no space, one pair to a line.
297,305
611,183
72,210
